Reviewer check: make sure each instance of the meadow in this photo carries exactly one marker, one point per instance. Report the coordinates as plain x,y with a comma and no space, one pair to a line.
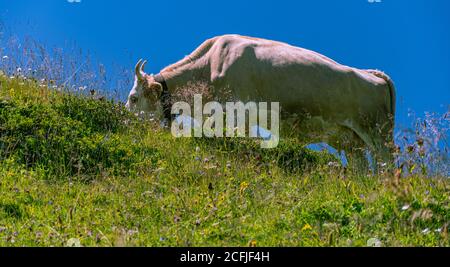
77,169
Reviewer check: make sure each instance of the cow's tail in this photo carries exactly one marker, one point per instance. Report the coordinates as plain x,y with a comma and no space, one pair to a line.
391,86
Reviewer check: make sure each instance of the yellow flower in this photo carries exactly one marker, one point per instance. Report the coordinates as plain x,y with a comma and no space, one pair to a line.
221,199
244,185
252,243
306,227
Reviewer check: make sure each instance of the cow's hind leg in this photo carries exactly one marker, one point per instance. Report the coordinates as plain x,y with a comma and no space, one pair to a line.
355,149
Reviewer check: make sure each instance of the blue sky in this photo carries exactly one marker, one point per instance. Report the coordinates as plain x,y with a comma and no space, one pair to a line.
409,40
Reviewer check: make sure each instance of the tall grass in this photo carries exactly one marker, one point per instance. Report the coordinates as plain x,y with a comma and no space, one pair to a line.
424,147
66,67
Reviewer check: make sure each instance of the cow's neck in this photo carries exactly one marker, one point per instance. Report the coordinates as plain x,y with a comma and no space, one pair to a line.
177,76
181,73
165,97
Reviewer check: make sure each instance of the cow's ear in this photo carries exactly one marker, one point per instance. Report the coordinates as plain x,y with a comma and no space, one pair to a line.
152,89
156,87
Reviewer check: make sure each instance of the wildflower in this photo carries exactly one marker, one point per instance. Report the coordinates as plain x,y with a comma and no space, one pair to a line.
420,142
374,242
5,57
405,207
307,227
252,243
210,167
244,186
19,69
333,164
422,152
425,231
132,232
438,230
73,242
39,235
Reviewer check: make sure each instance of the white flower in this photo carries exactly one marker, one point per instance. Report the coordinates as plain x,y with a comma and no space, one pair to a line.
73,242
406,207
5,57
374,242
333,164
425,231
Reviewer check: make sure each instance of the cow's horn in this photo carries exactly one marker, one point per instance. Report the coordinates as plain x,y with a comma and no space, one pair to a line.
143,66
137,69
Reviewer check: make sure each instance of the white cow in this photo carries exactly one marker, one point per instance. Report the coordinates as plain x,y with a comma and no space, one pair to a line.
348,108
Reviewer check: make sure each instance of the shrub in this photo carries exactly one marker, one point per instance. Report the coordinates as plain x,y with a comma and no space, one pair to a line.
289,155
76,135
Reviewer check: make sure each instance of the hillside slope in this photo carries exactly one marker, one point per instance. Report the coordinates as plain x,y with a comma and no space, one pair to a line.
77,170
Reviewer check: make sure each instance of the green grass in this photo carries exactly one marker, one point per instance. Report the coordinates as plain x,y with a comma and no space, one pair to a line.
74,169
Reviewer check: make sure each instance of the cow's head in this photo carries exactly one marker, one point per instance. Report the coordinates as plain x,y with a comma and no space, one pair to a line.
145,94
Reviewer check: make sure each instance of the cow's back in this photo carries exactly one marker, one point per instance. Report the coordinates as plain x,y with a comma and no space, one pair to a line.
263,70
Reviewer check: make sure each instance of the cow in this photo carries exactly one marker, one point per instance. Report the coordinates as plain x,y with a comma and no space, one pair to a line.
350,109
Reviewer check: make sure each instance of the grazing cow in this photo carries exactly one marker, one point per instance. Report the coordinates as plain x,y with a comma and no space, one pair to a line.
348,108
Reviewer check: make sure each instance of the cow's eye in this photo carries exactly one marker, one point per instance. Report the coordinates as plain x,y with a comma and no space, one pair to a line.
133,99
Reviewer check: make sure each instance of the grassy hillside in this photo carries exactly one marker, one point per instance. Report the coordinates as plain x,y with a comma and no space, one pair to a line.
78,170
